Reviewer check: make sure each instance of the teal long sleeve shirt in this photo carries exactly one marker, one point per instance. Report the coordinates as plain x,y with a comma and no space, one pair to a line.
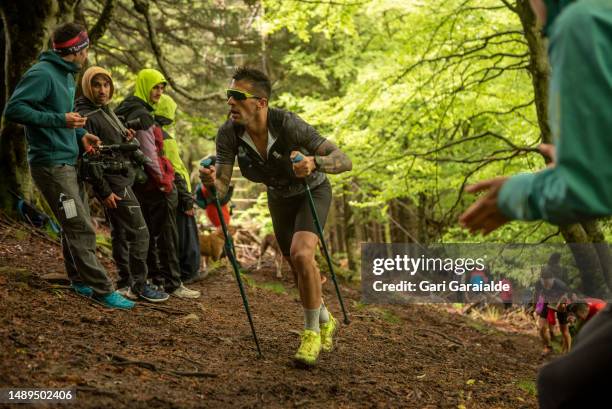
40,102
579,187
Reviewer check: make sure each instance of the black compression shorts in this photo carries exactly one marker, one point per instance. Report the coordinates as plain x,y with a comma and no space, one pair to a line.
293,214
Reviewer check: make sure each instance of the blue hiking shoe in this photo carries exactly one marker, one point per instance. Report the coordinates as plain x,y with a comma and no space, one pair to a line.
82,289
152,294
115,300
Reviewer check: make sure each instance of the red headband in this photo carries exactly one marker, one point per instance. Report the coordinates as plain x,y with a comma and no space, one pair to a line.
74,45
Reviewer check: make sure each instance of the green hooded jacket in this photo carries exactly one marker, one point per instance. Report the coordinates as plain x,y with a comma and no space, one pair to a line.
166,108
40,101
145,81
580,101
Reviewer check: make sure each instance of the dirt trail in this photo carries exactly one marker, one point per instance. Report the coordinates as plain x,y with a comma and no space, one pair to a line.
193,354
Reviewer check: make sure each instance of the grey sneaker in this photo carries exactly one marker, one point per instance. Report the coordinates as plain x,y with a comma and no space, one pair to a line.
184,292
127,293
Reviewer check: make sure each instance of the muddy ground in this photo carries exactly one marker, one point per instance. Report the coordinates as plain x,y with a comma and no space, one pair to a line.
200,354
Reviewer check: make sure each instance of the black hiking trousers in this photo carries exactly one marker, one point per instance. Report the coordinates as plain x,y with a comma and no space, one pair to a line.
159,211
130,237
581,379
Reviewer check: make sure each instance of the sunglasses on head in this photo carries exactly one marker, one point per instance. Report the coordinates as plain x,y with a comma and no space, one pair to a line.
239,95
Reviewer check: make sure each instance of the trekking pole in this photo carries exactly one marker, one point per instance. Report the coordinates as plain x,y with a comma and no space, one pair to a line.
315,216
206,163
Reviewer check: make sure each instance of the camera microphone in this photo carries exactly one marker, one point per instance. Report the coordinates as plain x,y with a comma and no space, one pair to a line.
119,147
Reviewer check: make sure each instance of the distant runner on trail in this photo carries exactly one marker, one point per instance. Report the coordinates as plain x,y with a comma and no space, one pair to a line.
576,187
549,290
265,140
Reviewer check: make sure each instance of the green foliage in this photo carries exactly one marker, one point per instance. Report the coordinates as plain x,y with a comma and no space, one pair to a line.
528,386
425,98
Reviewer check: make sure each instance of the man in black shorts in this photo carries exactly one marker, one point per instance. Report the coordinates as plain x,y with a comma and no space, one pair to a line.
265,140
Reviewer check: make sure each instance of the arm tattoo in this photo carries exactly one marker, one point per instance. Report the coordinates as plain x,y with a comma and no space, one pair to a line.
331,159
224,176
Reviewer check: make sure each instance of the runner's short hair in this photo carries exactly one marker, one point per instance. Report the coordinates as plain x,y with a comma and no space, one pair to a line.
258,79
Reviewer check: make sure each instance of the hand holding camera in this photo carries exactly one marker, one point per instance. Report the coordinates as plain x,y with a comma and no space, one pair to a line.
90,142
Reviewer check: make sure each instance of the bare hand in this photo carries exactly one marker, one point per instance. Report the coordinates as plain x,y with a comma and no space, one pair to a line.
129,134
304,167
189,212
111,201
549,152
484,214
208,176
75,120
90,142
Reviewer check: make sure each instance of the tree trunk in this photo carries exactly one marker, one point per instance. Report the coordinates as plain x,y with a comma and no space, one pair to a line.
538,65
340,224
586,258
423,236
27,27
602,248
331,222
397,232
350,234
3,95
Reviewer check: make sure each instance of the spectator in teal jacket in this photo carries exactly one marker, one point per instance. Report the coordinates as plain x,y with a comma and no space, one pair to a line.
43,101
576,187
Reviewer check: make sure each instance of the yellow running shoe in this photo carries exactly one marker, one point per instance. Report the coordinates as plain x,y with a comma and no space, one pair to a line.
328,330
309,349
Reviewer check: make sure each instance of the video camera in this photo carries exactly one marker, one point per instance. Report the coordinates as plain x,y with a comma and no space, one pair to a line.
135,124
106,160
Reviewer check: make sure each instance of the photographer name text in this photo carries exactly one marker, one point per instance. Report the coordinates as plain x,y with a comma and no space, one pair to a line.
428,286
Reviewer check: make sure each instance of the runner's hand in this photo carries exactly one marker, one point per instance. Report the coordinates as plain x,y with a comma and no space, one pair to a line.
304,167
208,176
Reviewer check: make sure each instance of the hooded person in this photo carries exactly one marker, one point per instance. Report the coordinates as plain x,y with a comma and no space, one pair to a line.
43,101
189,249
158,196
130,236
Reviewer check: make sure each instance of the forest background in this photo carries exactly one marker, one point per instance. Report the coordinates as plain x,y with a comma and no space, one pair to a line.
424,96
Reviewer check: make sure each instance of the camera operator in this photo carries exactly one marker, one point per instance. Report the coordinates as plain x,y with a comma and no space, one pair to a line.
158,197
112,183
43,101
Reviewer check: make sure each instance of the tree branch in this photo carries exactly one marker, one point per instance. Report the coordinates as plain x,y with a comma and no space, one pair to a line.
103,21
142,7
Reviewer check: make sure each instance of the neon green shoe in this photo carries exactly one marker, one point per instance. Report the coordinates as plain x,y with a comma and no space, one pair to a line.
328,330
309,349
